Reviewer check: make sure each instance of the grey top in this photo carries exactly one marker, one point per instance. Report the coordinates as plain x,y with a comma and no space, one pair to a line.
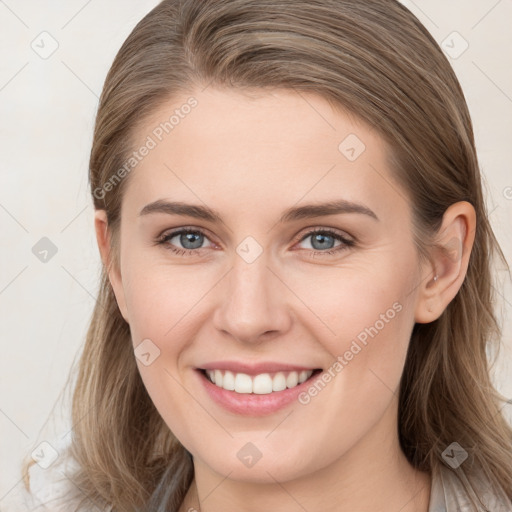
448,494
53,491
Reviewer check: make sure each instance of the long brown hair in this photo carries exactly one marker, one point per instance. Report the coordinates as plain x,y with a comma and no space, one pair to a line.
376,60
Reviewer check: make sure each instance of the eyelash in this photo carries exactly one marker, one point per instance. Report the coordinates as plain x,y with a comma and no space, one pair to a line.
346,243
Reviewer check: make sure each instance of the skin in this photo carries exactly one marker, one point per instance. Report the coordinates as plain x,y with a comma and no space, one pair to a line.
250,157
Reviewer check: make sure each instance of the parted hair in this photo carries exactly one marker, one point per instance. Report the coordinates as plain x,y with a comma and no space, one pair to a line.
371,58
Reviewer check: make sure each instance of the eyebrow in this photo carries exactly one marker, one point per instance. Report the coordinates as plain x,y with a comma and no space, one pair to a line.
295,213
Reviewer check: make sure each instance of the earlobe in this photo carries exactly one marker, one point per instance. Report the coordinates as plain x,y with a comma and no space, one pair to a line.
103,237
449,262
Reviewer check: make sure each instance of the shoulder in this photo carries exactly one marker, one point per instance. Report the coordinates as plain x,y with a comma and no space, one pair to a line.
452,491
51,488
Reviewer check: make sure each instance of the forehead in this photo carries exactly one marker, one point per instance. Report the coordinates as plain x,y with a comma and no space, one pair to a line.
248,148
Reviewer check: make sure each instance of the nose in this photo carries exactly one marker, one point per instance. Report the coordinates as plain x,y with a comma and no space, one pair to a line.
253,306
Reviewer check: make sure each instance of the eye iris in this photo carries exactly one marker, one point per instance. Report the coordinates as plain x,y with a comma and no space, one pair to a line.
193,238
322,238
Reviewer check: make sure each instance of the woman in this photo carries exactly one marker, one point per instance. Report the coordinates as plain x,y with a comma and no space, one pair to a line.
296,298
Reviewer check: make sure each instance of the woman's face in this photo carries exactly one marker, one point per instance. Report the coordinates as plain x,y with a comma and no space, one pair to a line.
256,292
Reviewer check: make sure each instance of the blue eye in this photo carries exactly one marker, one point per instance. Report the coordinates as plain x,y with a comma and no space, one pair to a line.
192,241
322,241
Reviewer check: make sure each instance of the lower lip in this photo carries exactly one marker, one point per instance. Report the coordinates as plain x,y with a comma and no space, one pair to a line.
252,404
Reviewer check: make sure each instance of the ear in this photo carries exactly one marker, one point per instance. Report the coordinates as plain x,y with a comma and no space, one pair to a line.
103,237
449,262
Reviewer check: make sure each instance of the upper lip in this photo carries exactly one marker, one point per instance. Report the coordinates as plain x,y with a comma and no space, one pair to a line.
254,368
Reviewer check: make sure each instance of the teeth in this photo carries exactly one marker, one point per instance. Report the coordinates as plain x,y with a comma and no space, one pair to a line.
260,384
292,380
279,382
243,383
303,375
228,381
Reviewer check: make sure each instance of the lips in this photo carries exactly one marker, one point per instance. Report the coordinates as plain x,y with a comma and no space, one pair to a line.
255,389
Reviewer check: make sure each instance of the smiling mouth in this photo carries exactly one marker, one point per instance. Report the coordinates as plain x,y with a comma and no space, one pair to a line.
261,384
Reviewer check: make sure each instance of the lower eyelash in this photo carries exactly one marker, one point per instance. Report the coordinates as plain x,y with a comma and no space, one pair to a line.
181,252
346,243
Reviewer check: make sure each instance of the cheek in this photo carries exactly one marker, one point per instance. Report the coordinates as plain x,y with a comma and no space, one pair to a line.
162,299
372,331
161,309
359,302
363,317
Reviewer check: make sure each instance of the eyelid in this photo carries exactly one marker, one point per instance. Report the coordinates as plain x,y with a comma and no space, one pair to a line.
308,231
180,229
319,229
347,241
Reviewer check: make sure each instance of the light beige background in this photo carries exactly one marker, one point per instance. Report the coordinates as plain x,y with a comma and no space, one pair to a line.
47,114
